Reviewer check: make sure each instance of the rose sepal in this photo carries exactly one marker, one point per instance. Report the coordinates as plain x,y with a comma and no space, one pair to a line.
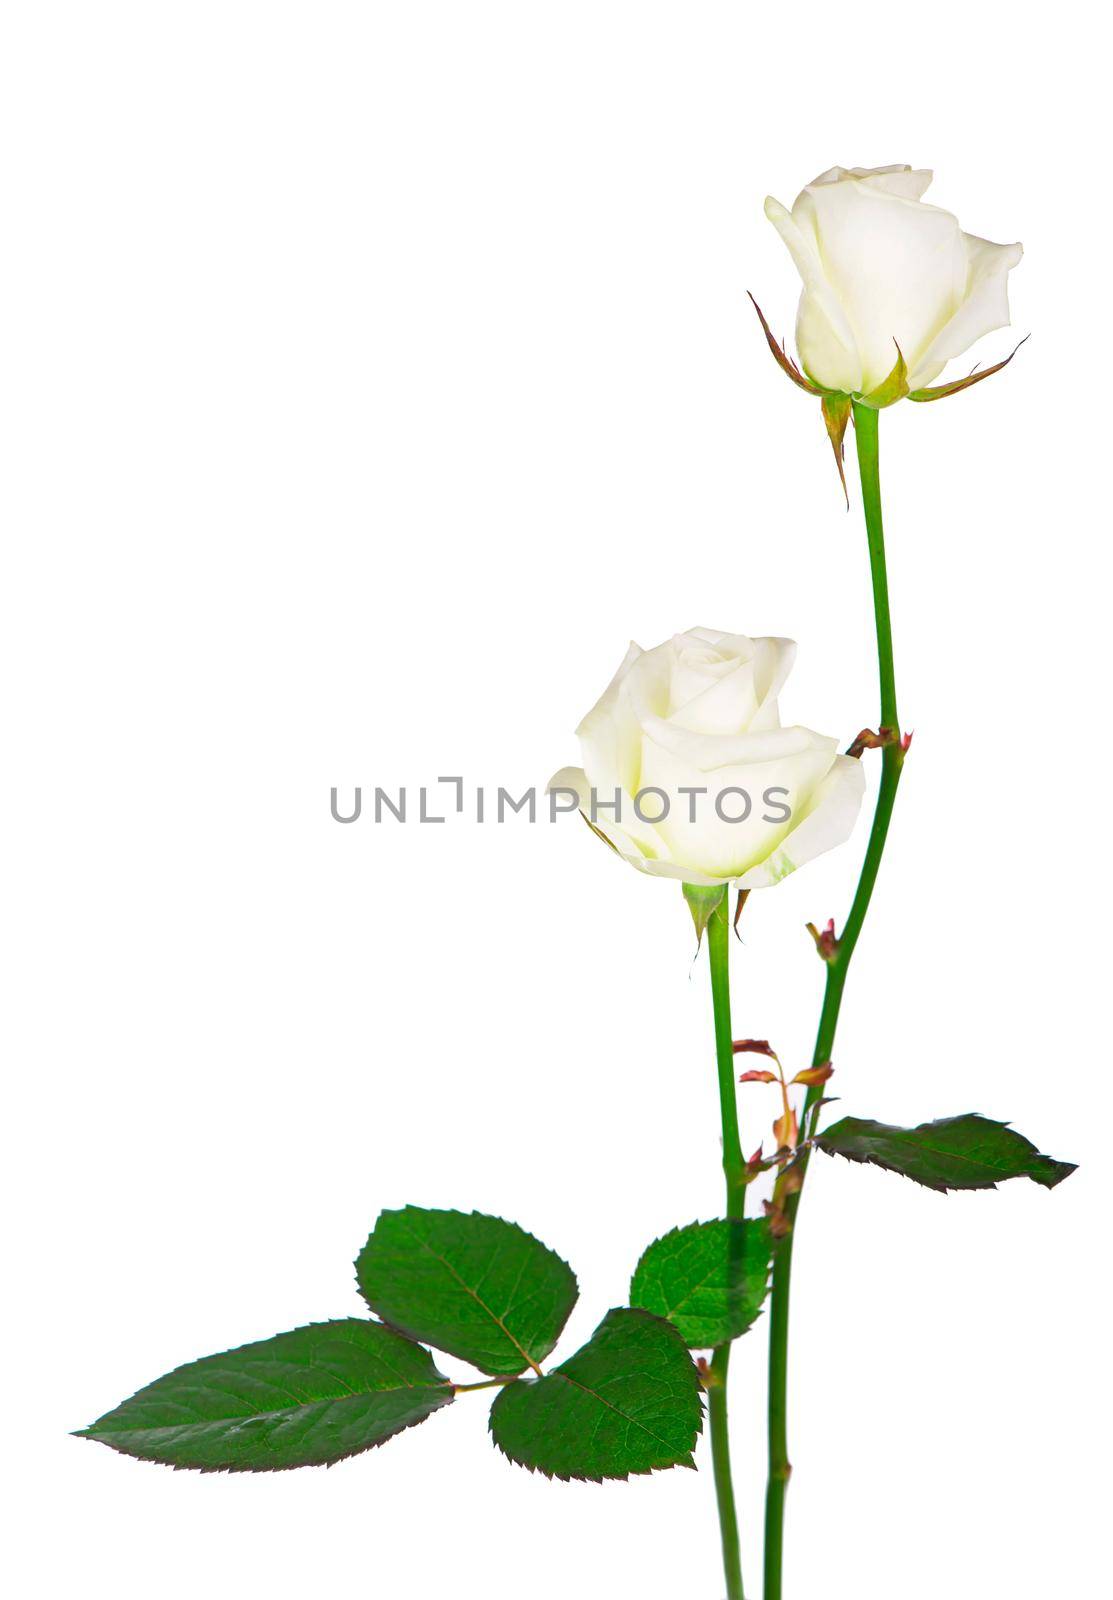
941,391
785,361
836,415
703,901
891,389
836,406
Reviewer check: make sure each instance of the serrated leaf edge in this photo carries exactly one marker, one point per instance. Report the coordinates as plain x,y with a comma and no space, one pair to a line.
950,1188
484,1216
747,1222
94,1437
688,1461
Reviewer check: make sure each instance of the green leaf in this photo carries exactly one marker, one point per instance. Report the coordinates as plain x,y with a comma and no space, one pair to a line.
708,1279
628,1402
967,1152
478,1287
302,1399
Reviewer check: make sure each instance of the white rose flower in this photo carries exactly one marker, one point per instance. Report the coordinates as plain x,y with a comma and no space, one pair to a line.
881,266
709,787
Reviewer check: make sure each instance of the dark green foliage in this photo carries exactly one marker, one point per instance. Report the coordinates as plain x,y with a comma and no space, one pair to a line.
628,1402
709,1279
478,1287
305,1398
966,1152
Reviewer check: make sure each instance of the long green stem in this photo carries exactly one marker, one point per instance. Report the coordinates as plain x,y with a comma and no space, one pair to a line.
718,944
892,757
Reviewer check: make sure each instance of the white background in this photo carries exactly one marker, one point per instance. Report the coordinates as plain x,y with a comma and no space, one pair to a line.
371,374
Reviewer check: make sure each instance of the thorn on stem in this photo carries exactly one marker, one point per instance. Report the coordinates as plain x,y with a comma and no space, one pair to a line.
868,740
826,944
792,1180
779,1225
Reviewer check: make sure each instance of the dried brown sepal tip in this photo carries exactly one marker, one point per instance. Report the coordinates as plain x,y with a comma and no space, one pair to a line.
814,1077
826,944
836,407
942,390
781,355
743,896
779,1225
836,415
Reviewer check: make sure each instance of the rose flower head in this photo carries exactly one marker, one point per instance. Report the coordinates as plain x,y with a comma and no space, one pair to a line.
688,774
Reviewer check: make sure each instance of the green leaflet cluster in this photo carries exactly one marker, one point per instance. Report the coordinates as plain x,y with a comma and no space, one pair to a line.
474,1286
489,1293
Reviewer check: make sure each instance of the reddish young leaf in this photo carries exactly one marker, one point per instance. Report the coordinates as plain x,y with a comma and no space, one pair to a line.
786,1131
812,1077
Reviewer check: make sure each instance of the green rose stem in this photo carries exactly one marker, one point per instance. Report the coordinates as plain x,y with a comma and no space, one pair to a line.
838,963
734,1170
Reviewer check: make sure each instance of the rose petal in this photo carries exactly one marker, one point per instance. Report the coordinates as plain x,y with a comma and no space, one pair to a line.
824,338
830,821
898,267
985,307
734,826
699,712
